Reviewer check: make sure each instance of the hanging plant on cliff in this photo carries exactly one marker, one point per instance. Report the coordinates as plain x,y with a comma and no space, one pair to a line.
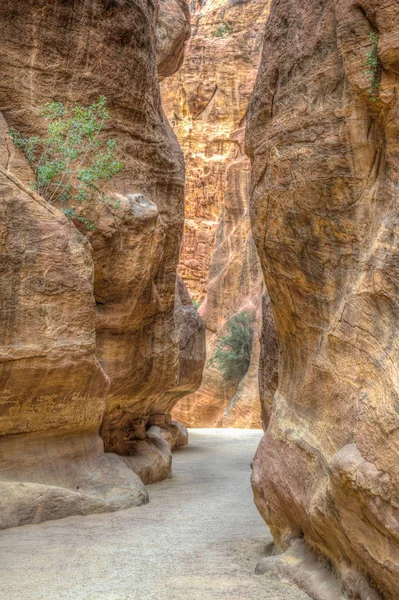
373,67
71,160
233,353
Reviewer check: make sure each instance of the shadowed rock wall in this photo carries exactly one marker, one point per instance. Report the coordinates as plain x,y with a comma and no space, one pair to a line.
324,210
94,332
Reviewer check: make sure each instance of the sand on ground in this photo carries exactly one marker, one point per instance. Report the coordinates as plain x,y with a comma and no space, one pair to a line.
199,538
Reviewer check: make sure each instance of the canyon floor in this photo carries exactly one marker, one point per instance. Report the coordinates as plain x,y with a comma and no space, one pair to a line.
199,538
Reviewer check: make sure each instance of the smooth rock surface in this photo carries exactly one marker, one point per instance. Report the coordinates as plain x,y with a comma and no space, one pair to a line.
199,538
173,30
324,211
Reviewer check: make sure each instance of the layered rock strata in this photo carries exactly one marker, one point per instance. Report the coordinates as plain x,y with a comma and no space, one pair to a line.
93,331
322,137
206,103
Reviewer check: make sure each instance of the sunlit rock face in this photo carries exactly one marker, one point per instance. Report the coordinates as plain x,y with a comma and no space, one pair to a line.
206,103
93,333
324,211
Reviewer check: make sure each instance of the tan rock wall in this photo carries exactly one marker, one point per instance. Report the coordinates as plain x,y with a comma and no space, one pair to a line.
94,331
325,220
53,389
206,103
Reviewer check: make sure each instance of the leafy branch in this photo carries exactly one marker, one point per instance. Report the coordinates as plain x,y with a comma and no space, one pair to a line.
71,160
224,30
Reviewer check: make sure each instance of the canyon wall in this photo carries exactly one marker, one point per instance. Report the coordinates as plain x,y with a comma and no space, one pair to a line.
97,333
323,140
206,102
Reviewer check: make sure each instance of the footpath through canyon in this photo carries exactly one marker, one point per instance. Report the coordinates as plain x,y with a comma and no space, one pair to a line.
199,538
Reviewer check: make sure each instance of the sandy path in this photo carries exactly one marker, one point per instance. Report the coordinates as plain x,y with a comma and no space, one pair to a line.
198,539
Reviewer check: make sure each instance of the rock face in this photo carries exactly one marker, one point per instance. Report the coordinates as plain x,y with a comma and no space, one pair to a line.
323,141
53,387
172,31
206,103
94,333
235,285
268,361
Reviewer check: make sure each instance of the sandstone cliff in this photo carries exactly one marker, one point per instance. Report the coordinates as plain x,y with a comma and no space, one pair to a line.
93,331
206,102
322,136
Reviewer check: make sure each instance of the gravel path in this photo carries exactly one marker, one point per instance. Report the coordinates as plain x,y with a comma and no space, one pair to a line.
198,539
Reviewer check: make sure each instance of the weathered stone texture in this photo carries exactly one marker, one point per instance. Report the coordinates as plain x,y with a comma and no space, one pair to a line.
235,285
268,361
53,389
92,333
173,30
206,103
325,220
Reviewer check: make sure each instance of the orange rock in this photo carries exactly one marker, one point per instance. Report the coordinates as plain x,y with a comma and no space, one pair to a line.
53,388
95,332
173,30
324,212
206,103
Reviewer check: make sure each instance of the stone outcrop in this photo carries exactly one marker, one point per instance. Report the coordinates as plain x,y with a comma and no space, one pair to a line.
206,103
260,382
322,137
94,333
235,286
172,32
53,388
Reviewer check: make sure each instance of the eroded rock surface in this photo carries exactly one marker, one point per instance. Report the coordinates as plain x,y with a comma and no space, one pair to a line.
53,389
206,103
92,335
325,220
173,30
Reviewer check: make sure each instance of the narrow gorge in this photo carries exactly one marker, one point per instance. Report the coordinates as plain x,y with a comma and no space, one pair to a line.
206,103
199,257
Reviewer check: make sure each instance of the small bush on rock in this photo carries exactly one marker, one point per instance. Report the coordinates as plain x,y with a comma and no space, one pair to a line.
223,30
373,67
196,303
71,160
233,354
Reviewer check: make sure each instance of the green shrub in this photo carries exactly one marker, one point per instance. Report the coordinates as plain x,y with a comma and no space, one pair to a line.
223,30
233,353
373,66
196,303
71,160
